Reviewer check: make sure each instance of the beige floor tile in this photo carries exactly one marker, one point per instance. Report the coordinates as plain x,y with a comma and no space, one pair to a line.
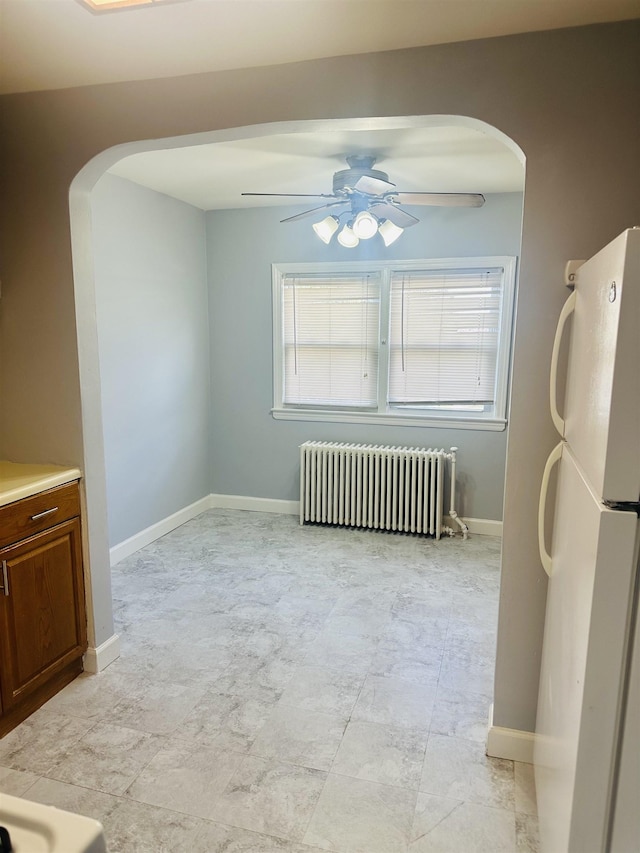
459,769
72,798
380,753
444,825
270,797
107,759
527,835
138,828
395,702
461,714
16,782
328,691
218,838
41,741
157,708
228,721
341,651
354,816
185,778
525,788
299,736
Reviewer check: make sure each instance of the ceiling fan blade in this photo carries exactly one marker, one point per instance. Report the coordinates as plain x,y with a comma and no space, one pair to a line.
399,217
372,186
312,211
293,195
439,199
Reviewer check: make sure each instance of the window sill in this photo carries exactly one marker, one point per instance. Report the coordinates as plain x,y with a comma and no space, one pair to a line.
377,418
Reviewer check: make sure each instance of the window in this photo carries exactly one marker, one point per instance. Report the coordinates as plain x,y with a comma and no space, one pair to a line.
420,342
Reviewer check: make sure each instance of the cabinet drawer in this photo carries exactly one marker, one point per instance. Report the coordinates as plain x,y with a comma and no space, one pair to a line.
39,512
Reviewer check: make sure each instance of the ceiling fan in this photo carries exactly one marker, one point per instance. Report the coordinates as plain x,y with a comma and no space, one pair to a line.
371,202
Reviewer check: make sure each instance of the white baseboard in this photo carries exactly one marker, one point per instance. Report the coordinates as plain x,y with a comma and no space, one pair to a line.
478,526
99,658
513,744
255,504
155,531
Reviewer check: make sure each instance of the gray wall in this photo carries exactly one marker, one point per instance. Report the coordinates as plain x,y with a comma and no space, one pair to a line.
253,454
569,98
153,336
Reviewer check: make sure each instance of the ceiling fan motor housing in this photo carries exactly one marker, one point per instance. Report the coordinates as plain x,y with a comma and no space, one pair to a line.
359,166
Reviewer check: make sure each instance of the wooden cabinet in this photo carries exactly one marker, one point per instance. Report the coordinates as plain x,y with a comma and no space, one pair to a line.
42,607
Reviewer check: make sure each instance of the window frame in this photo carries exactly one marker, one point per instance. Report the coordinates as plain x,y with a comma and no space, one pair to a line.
387,414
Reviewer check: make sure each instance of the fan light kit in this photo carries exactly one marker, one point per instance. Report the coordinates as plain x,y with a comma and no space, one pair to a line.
372,204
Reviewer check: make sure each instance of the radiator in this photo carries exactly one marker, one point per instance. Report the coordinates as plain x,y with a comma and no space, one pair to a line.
381,488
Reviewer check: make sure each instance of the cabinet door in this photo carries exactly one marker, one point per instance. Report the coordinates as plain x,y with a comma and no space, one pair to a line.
42,610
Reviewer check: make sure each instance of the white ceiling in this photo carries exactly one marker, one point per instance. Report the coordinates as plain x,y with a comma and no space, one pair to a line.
450,158
51,44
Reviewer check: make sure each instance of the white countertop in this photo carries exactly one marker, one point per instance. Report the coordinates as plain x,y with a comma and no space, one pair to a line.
21,481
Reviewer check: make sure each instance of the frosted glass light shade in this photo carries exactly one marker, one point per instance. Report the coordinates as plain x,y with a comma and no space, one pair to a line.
347,238
365,225
389,232
326,228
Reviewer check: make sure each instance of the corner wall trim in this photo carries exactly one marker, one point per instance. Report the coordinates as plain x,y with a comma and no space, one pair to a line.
513,744
99,658
155,531
255,504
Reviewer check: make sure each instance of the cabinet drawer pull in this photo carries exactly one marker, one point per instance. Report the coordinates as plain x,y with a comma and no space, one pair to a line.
40,515
4,587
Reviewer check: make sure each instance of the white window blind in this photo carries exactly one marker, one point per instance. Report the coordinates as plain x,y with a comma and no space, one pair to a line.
330,339
444,335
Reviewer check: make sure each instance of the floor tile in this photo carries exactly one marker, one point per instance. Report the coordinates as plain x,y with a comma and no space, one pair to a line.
299,736
270,797
186,778
395,702
158,708
459,769
42,740
219,838
525,788
246,641
380,753
465,672
246,672
107,759
72,798
461,714
444,825
354,816
420,665
341,651
527,835
16,782
328,691
92,696
138,828
228,721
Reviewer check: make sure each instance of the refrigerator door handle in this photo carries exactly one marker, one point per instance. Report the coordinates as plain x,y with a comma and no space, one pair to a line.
567,310
554,456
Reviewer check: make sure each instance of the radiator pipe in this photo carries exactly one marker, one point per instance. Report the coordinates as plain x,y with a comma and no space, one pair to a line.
452,507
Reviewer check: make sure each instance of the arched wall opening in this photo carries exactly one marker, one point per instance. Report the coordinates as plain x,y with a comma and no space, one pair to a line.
101,621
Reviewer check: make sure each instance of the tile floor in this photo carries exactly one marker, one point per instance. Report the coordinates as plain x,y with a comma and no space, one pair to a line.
288,689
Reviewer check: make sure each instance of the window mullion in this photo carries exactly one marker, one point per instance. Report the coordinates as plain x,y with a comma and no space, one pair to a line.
383,346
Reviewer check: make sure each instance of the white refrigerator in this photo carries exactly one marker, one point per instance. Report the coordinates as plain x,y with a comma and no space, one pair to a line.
587,746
